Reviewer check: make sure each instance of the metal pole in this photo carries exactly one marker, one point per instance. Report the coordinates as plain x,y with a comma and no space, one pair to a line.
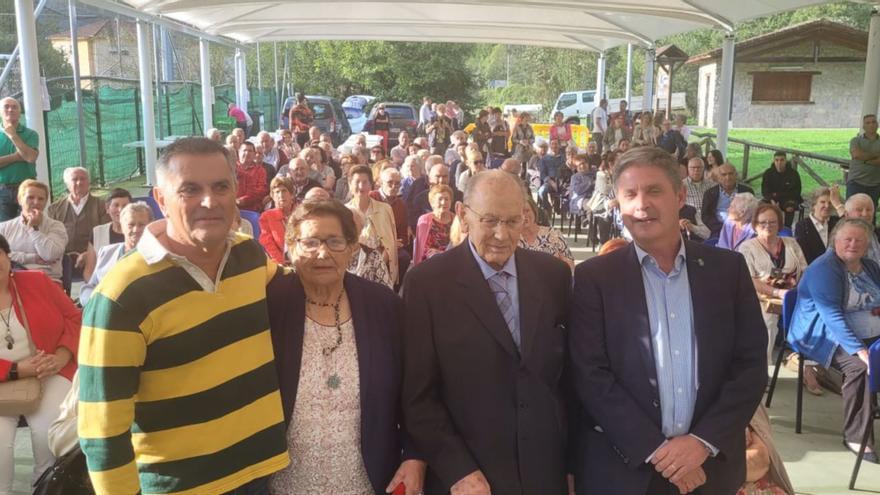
236,66
31,88
507,52
158,75
260,80
13,57
146,79
600,77
648,95
724,96
871,89
77,90
242,73
629,72
277,90
207,89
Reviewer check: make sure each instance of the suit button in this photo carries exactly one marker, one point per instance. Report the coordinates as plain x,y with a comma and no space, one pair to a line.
522,405
655,403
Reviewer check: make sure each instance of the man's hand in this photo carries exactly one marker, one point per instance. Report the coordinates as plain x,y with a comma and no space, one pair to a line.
691,482
472,484
80,260
685,224
412,474
9,129
679,457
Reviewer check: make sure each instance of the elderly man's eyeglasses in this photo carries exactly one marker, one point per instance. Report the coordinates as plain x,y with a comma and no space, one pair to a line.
310,245
492,222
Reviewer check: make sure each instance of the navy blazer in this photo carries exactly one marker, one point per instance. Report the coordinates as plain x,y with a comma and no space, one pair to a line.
615,379
710,204
377,317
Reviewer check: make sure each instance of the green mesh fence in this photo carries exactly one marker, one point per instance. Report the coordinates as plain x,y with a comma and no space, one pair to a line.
112,114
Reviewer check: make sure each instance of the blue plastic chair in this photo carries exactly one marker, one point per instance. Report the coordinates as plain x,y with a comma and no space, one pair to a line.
148,199
874,387
788,305
254,219
785,232
712,241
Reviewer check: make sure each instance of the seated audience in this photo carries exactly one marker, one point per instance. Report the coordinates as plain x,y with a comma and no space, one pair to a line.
737,227
671,140
378,233
40,342
273,222
273,158
716,200
581,186
541,238
861,206
834,322
111,232
241,225
412,170
550,165
317,194
475,163
616,133
133,220
645,132
251,179
765,471
344,430
37,242
697,183
419,204
812,232
389,192
432,230
80,212
690,224
321,172
781,186
299,174
287,145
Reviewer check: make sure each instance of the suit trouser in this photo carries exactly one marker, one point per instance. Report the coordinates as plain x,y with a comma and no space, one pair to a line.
857,396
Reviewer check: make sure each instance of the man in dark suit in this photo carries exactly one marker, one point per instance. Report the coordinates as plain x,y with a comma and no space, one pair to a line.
484,353
667,363
717,199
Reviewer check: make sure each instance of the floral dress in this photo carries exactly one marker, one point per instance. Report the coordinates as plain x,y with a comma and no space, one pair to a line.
369,262
548,241
438,238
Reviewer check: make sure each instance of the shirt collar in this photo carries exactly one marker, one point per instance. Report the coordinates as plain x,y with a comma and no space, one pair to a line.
817,223
489,272
153,251
679,258
81,201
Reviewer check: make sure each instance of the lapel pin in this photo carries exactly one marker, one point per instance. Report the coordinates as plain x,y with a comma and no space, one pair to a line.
700,261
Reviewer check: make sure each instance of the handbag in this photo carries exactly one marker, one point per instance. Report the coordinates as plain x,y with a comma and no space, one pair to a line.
22,396
68,476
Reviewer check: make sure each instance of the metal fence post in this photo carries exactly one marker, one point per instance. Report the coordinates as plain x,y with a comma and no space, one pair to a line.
137,132
96,89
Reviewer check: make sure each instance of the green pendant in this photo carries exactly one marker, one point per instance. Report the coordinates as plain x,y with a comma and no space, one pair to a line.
334,381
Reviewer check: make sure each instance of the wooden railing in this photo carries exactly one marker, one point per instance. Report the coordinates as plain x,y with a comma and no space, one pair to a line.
803,160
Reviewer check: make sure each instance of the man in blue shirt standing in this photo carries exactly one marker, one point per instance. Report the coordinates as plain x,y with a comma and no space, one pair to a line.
549,166
18,153
667,348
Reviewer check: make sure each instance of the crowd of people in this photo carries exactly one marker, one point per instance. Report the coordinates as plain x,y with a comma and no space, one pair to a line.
407,319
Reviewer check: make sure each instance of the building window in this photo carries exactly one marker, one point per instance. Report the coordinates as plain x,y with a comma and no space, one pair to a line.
782,87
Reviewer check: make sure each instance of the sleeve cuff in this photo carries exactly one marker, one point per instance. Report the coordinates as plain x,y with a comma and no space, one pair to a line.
648,460
713,451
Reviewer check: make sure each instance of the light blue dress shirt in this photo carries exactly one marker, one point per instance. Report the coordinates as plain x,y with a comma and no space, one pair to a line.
512,285
670,315
724,200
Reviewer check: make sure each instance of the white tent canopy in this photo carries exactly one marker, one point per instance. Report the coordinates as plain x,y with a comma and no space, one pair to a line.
589,25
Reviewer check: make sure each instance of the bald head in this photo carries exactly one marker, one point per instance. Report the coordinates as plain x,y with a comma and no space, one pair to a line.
10,110
492,184
511,166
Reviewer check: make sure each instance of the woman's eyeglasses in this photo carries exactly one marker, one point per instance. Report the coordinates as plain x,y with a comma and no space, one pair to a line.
310,245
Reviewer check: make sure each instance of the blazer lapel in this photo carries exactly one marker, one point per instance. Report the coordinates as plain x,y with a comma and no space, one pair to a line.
293,343
633,287
360,319
530,303
481,301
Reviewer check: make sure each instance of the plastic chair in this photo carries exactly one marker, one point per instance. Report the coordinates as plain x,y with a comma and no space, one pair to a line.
148,199
712,241
785,232
254,219
874,387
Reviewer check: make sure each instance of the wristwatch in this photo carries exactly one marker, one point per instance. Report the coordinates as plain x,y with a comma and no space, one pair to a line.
13,372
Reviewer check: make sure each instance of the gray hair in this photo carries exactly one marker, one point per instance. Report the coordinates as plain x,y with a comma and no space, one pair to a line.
857,198
844,222
816,194
649,156
137,207
385,174
411,163
744,204
69,171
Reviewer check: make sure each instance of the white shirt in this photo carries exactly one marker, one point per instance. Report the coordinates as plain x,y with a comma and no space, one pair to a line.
20,346
822,229
600,119
29,247
153,252
78,207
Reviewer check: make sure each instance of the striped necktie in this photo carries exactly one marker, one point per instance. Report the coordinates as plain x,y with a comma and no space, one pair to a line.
498,284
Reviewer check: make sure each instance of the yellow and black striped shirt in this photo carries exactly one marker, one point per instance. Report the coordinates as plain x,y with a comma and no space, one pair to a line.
178,391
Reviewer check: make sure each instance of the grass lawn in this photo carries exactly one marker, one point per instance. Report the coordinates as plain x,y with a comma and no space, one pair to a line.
830,142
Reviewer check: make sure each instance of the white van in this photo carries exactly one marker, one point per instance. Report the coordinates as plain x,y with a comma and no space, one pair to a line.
575,105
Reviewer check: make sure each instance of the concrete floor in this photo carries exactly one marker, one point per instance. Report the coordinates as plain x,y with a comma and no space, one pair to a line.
816,461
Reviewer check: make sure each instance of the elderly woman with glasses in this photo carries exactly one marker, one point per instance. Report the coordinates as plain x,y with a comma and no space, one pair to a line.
337,342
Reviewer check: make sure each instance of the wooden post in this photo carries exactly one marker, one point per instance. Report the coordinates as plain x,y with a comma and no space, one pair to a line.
745,167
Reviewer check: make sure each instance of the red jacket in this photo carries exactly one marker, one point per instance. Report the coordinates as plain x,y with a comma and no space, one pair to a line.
272,234
53,319
252,187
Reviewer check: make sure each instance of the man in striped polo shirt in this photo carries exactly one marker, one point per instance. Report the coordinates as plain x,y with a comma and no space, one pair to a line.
178,389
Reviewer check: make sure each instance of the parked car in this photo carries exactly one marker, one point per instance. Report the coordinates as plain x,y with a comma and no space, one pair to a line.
329,116
358,102
575,105
404,117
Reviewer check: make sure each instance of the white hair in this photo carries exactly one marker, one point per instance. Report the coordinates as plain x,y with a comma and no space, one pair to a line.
856,199
137,207
69,171
744,206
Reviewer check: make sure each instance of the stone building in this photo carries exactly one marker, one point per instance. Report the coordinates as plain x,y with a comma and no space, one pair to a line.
107,47
804,76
